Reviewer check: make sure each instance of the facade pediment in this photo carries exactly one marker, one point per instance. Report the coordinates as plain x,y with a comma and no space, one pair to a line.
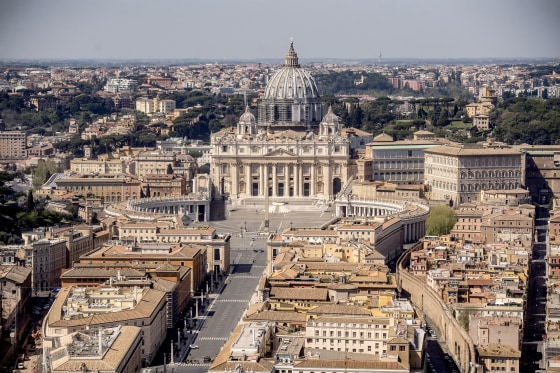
280,153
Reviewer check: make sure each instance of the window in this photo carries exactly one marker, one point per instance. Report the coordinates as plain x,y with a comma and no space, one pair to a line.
224,148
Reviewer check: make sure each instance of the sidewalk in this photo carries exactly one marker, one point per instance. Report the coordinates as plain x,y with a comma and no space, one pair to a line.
180,355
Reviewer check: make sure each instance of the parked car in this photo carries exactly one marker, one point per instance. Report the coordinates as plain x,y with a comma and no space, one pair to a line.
20,366
193,347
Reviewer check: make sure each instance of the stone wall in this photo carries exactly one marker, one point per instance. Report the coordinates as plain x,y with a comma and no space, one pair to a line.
428,302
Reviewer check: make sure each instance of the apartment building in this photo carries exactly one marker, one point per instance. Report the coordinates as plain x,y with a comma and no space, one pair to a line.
498,357
116,349
13,145
166,106
145,105
505,331
350,333
193,256
77,308
46,258
116,85
16,291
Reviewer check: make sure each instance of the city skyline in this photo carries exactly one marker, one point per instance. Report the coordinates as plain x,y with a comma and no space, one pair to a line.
250,30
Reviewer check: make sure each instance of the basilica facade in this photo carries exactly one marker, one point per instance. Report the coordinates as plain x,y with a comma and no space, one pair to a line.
294,151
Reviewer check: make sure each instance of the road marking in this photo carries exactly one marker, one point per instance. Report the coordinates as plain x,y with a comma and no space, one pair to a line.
212,339
232,300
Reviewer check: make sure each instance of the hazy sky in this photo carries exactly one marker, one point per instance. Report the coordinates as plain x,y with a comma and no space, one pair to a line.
252,29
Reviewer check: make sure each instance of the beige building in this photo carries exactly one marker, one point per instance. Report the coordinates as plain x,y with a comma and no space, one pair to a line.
154,162
478,108
542,171
102,165
164,185
481,121
78,308
505,331
459,173
145,105
193,256
350,333
112,188
166,106
399,162
13,145
116,350
497,357
47,258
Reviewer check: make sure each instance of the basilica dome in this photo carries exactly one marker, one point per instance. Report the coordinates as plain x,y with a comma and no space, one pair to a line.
291,98
291,81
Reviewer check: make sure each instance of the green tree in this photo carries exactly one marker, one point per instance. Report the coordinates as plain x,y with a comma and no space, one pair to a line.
30,201
148,191
44,169
169,170
94,218
441,220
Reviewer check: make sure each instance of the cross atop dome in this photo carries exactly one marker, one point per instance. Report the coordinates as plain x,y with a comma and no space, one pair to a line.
291,56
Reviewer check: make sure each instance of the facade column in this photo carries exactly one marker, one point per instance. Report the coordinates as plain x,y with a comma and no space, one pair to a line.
234,168
328,187
297,179
265,181
313,181
249,178
300,180
262,169
274,180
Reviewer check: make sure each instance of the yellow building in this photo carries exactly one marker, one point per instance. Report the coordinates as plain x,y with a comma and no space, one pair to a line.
112,188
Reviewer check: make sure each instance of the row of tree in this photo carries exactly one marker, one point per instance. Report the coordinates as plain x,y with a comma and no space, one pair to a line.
532,121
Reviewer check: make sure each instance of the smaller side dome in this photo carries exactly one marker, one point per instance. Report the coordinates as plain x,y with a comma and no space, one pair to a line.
247,124
247,117
330,124
330,117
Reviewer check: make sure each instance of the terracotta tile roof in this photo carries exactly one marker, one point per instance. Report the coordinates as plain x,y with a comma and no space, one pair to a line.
312,294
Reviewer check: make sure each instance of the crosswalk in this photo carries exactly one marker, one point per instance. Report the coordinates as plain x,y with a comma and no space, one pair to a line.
211,339
231,300
247,276
194,364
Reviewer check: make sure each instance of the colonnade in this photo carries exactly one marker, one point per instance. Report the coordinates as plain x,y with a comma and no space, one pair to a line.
413,215
414,230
